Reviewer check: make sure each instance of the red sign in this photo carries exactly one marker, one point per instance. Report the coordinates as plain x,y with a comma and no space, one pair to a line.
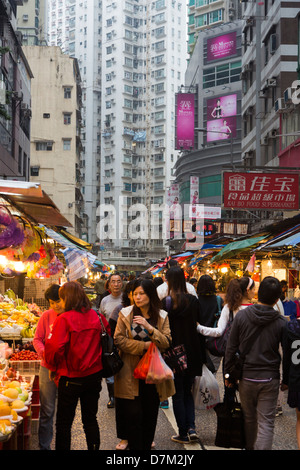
278,191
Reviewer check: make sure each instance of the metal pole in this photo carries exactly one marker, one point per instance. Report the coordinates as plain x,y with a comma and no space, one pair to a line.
258,82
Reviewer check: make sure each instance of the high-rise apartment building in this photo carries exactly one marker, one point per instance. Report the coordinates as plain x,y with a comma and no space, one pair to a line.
132,56
269,68
203,14
32,22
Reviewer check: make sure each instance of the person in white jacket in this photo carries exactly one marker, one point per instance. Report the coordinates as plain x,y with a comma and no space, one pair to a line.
239,294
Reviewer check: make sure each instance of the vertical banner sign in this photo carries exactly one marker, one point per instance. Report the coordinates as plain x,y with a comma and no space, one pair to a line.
194,190
174,220
185,121
278,191
194,193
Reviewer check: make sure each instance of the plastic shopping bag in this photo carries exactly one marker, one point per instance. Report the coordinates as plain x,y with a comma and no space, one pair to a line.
158,371
141,370
206,390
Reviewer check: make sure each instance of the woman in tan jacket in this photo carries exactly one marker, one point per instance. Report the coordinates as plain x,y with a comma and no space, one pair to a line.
137,403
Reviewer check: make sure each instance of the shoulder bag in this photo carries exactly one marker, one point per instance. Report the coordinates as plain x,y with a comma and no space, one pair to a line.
217,345
111,360
175,356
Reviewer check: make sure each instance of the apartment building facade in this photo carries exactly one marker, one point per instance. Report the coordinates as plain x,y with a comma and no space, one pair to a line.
203,14
270,63
145,59
15,104
55,129
32,20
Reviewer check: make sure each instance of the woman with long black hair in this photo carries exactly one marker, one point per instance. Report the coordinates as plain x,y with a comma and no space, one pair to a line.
184,314
137,327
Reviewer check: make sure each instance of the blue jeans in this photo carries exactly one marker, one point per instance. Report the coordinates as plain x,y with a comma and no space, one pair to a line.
70,390
183,403
48,391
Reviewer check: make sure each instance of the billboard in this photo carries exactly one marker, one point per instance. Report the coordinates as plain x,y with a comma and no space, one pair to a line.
221,117
185,118
268,191
221,47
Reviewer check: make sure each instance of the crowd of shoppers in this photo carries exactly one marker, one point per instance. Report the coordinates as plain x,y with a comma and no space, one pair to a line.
164,312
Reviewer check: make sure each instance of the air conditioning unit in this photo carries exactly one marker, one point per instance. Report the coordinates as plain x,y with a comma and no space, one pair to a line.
271,82
287,95
279,105
263,93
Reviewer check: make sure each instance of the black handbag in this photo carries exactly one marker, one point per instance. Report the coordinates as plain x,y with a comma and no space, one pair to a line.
175,357
111,360
230,425
217,346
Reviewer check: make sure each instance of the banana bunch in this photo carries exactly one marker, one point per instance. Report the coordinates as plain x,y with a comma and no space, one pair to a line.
28,332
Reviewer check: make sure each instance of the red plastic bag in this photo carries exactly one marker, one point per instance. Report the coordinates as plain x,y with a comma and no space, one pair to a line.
141,370
158,370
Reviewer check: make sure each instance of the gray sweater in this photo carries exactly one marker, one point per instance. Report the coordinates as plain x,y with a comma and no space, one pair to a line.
263,359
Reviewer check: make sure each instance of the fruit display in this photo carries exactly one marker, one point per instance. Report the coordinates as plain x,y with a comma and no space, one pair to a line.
17,318
24,355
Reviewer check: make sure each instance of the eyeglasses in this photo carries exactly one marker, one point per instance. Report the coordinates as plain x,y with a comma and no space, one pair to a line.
116,282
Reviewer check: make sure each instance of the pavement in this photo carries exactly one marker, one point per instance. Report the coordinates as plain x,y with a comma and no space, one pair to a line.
206,422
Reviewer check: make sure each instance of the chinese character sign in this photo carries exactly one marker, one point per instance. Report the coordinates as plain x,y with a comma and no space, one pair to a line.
185,112
278,191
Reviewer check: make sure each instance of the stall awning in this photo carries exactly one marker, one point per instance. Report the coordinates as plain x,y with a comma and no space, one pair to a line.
76,240
33,202
293,240
78,259
232,249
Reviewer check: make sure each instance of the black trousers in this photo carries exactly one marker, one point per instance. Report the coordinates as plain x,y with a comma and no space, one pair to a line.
70,390
136,419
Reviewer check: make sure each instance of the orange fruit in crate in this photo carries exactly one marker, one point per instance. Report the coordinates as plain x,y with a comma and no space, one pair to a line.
17,404
11,393
5,410
14,384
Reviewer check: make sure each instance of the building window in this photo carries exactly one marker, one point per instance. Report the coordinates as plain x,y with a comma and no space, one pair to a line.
67,92
67,118
67,144
34,170
44,146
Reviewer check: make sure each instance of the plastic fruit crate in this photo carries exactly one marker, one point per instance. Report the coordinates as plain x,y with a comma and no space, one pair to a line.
26,367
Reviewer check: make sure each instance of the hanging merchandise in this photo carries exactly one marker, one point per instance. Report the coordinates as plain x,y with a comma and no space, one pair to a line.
11,233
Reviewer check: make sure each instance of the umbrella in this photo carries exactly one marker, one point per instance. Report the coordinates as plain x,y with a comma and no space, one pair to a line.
234,248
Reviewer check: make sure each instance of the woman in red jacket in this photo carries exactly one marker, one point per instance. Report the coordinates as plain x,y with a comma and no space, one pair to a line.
73,353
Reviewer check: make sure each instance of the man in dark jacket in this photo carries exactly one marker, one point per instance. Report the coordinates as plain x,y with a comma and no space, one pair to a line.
259,385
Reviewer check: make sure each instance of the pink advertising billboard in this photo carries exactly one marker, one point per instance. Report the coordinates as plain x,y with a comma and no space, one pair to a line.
221,47
185,114
221,117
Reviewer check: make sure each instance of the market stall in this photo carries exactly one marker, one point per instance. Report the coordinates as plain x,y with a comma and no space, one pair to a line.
36,250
